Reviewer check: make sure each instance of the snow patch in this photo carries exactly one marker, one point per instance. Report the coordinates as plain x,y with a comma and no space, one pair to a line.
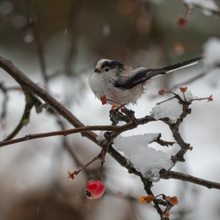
212,53
169,109
187,96
146,160
204,4
101,136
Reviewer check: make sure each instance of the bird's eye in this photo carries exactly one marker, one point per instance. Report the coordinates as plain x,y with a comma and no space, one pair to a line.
106,69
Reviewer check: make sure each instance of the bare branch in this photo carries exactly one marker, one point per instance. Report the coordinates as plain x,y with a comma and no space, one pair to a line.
57,133
23,121
188,178
4,102
212,11
73,33
24,81
189,81
126,116
34,25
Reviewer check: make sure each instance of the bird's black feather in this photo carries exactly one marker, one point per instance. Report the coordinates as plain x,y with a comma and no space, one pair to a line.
138,78
146,74
112,64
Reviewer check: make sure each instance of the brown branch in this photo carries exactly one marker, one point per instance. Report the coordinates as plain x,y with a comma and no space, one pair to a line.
23,121
34,25
118,130
174,127
73,33
193,79
147,187
4,102
189,81
31,101
214,12
57,133
188,178
164,174
24,81
186,82
193,6
163,142
131,122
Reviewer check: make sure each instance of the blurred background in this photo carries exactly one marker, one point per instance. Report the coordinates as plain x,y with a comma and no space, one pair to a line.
56,43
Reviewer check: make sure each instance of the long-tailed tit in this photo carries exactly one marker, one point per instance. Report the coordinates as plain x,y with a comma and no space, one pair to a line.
117,84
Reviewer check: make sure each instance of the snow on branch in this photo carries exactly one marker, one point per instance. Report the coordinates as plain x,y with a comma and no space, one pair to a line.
145,159
212,53
208,6
133,153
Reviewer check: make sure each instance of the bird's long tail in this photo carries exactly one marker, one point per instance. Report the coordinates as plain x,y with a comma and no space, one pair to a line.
172,68
145,74
181,65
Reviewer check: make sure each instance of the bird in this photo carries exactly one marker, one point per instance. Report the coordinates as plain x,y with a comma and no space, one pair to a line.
118,85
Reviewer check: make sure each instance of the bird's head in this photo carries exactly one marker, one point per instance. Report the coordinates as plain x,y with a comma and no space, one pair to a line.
106,66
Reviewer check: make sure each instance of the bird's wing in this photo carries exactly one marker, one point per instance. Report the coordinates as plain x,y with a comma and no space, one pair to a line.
132,78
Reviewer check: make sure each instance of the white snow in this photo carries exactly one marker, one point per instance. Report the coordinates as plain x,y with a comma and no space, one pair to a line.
205,4
100,137
212,53
145,159
170,109
188,96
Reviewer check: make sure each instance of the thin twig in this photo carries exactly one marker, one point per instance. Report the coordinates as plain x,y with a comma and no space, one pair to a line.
34,24
57,133
212,11
24,81
4,102
188,178
23,121
188,81
72,30
131,123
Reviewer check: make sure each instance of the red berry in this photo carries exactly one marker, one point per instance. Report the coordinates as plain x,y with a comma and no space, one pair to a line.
103,99
94,189
182,21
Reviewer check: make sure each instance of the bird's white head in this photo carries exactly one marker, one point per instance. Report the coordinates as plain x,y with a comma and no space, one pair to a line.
106,66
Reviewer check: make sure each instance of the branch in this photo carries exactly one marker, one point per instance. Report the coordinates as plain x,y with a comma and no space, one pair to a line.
24,81
212,11
23,121
194,5
73,32
174,127
208,69
118,130
4,102
188,178
189,81
114,131
57,133
34,25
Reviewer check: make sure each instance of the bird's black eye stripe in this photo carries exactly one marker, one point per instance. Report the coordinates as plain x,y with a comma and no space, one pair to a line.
112,65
